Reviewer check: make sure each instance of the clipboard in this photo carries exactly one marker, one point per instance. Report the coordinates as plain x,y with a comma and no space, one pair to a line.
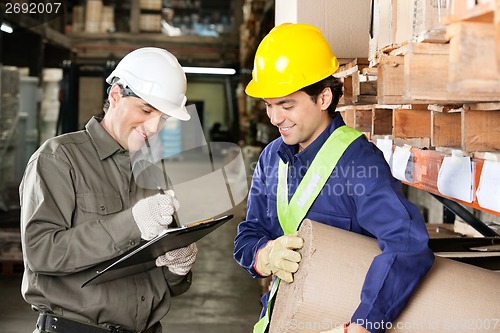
143,257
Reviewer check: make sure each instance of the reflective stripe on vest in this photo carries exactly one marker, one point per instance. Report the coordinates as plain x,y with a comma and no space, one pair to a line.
290,215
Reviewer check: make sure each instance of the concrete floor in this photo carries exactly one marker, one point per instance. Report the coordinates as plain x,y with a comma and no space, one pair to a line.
222,299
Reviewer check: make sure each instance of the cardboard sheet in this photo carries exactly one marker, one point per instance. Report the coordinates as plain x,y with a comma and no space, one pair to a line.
453,297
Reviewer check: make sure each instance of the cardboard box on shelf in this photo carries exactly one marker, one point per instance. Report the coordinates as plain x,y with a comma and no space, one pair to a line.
150,22
429,18
150,4
397,22
347,28
93,14
108,19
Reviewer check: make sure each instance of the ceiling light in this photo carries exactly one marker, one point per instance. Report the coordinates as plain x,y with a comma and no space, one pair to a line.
209,70
6,28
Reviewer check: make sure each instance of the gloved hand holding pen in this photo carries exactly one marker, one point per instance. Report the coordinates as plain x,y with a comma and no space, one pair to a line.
279,257
153,214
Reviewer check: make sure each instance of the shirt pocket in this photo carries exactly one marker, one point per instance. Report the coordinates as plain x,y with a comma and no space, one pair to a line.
335,220
99,203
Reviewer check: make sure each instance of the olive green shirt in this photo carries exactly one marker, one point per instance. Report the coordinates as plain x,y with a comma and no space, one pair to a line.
76,199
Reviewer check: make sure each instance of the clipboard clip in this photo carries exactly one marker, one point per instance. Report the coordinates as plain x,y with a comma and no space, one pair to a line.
189,225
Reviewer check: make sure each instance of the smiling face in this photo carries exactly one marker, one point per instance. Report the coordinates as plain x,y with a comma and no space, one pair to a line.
131,120
299,119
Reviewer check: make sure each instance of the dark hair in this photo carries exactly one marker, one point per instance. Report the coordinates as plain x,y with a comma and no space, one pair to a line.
331,82
123,92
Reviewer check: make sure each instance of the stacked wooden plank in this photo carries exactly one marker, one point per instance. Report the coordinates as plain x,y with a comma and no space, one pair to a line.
437,94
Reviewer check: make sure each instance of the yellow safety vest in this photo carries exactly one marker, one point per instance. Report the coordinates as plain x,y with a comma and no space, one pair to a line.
290,215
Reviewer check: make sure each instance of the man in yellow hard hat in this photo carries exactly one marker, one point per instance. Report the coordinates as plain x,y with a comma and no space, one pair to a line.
325,171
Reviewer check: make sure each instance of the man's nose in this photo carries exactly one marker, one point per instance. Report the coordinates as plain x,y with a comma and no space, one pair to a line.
276,116
154,124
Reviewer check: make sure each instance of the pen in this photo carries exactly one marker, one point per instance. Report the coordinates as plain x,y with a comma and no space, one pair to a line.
174,223
160,189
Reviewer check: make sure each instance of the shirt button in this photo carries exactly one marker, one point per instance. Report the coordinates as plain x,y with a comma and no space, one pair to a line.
132,242
103,208
143,298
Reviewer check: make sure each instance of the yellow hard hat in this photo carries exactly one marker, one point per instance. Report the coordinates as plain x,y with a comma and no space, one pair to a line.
289,58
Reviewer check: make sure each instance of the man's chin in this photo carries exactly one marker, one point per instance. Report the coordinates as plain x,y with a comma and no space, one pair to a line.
134,146
288,140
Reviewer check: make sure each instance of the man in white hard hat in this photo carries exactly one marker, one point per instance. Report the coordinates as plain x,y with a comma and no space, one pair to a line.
81,206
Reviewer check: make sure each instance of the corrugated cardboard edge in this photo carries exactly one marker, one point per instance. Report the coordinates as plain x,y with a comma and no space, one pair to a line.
454,297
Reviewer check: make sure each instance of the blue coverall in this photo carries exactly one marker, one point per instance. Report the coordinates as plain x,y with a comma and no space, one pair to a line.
362,196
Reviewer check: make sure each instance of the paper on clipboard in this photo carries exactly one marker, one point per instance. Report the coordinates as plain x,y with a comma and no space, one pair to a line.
142,257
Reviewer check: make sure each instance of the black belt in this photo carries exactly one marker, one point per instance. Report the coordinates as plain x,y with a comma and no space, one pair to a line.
54,324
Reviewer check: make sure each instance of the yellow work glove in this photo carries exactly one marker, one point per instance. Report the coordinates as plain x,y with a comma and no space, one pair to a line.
279,257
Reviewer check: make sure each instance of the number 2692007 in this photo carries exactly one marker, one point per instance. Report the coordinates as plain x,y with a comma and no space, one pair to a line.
32,8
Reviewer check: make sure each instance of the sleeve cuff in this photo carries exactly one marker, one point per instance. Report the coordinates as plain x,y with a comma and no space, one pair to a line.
255,260
178,284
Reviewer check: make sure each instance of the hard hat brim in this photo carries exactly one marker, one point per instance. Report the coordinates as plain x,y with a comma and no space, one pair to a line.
170,109
258,90
271,89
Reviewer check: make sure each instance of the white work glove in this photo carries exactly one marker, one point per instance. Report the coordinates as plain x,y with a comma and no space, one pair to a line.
279,257
153,214
179,261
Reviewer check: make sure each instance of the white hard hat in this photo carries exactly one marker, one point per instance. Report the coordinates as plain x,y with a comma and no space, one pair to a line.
156,76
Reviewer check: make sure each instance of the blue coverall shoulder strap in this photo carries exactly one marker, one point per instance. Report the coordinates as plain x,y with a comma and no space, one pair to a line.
290,215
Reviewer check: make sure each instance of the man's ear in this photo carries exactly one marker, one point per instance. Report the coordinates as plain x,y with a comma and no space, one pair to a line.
325,98
114,95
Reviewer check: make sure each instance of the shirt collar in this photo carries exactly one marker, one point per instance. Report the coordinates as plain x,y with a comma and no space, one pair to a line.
288,152
103,142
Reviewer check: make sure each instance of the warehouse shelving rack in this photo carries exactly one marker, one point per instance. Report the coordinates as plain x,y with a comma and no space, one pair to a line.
435,97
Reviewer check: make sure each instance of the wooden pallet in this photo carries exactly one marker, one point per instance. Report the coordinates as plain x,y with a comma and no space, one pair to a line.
472,60
469,127
465,11
442,73
359,85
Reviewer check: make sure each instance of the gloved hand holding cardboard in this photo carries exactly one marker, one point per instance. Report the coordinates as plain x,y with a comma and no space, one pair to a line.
279,257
